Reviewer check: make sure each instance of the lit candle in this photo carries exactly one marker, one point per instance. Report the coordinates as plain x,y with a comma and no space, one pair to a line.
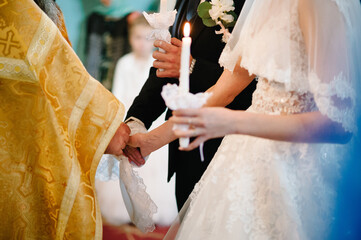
184,74
163,6
185,57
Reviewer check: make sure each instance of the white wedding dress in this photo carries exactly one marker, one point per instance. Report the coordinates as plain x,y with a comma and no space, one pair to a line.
257,188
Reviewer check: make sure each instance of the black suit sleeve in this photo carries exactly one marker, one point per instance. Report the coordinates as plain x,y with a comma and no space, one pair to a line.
149,104
205,75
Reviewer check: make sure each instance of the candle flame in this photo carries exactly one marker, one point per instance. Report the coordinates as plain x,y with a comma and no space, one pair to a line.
187,30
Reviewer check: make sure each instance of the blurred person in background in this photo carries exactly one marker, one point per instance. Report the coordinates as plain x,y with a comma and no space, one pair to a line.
133,68
107,34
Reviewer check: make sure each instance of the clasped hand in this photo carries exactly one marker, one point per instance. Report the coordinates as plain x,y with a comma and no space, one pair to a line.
119,145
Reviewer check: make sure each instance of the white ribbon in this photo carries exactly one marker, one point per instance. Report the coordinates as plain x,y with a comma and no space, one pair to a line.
176,99
160,22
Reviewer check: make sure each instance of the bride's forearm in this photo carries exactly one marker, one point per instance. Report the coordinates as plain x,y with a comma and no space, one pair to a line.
306,127
229,85
226,89
157,138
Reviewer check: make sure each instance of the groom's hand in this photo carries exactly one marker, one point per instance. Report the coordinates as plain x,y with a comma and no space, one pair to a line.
170,60
119,140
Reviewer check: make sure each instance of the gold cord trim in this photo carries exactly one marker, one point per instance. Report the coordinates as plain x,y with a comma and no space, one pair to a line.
42,41
74,178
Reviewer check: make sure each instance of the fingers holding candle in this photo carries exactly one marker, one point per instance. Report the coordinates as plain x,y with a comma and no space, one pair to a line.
171,53
191,117
191,132
186,133
168,60
206,123
187,123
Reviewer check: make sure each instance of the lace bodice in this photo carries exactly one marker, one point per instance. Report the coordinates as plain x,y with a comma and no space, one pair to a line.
272,98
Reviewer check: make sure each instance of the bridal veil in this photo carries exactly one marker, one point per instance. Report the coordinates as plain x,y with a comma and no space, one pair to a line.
331,30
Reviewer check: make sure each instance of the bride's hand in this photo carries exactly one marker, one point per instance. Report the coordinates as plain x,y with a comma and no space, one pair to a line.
205,123
140,140
134,155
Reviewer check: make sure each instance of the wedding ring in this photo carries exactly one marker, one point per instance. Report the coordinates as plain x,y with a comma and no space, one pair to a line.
196,132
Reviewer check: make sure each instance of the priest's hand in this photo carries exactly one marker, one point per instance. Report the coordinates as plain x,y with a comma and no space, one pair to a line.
119,140
168,61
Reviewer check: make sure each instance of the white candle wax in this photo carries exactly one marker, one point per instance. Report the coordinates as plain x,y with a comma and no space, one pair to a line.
185,58
163,6
184,74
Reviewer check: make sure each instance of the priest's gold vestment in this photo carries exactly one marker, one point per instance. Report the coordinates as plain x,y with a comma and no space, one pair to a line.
55,123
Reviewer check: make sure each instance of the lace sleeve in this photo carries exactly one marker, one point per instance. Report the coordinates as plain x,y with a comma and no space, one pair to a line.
331,29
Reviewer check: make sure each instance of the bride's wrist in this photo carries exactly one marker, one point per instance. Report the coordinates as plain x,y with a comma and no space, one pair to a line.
142,140
146,144
242,123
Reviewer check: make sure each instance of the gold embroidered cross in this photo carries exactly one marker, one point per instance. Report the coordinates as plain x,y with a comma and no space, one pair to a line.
29,171
9,42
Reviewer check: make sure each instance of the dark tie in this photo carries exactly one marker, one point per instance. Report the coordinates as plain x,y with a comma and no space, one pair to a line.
192,9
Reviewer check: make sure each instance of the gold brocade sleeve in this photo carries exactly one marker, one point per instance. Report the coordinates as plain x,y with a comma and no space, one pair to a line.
55,123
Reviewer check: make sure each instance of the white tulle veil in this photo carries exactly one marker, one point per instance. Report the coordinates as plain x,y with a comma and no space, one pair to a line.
332,33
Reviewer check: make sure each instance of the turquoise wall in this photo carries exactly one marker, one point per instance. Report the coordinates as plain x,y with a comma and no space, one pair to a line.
76,12
74,16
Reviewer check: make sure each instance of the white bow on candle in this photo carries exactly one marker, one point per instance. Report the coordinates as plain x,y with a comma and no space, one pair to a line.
160,22
176,98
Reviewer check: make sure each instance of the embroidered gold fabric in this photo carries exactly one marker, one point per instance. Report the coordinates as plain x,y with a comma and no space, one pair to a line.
55,123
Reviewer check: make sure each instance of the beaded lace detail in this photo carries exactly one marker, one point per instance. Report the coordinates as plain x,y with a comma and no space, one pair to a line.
271,98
